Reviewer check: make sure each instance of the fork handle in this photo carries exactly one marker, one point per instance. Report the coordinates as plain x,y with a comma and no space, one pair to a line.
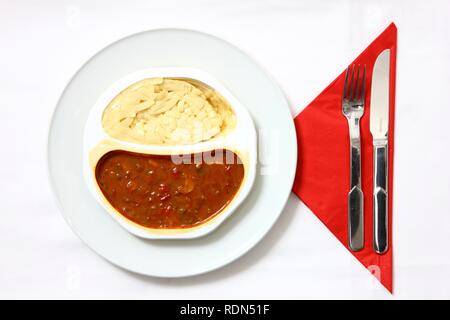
380,198
355,196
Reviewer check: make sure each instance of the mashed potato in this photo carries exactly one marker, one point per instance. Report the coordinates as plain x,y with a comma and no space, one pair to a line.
167,111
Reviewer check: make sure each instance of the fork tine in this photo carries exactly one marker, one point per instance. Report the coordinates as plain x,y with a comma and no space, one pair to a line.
351,83
357,88
344,95
363,84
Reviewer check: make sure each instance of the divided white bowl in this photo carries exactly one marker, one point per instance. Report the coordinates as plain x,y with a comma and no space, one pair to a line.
242,140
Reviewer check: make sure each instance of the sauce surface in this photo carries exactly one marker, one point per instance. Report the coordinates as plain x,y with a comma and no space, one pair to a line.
169,192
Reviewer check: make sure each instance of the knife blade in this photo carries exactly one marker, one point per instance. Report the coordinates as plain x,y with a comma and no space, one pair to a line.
379,128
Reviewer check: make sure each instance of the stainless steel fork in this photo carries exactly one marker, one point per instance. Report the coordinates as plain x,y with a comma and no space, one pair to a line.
353,110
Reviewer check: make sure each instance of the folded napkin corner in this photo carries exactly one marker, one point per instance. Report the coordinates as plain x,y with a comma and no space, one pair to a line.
322,180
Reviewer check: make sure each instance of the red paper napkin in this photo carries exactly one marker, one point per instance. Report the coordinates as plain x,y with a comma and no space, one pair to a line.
323,171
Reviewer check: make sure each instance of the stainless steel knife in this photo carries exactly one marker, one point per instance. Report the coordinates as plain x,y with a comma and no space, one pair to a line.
379,128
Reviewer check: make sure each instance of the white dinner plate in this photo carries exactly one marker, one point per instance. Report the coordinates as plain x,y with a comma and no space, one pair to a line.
277,153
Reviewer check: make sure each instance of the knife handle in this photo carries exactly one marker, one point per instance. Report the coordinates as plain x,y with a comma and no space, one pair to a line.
355,196
380,197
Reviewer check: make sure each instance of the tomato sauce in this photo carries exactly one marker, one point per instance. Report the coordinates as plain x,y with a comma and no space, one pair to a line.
169,192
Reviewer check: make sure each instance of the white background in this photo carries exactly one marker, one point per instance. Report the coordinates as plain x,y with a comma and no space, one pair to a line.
304,45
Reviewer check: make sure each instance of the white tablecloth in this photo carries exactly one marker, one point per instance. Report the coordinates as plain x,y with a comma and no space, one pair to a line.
304,45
